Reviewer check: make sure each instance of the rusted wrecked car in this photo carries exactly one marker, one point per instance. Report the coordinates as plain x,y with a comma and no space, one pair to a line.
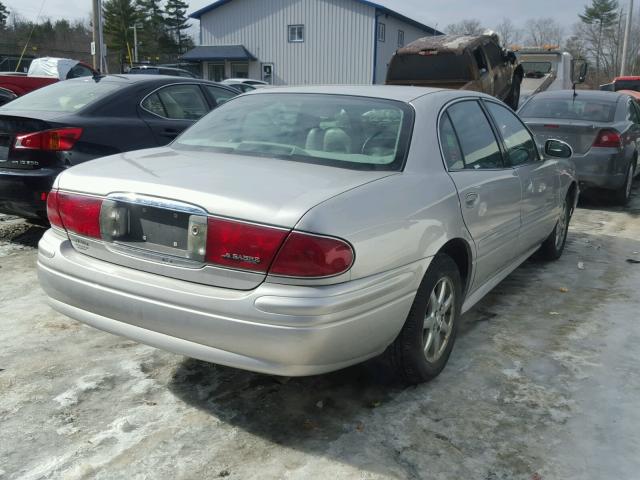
459,62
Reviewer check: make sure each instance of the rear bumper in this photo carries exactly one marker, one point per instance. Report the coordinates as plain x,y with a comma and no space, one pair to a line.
21,191
276,329
601,169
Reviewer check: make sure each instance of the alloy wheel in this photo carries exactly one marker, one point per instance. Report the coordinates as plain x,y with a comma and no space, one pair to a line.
438,321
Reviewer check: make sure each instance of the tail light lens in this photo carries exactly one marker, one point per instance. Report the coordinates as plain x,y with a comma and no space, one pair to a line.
52,209
79,213
60,139
608,138
306,255
242,245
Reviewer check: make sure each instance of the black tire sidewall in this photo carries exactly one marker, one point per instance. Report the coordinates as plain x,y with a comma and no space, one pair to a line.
411,336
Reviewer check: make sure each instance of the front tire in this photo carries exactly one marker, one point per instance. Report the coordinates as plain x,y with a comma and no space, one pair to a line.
553,246
424,344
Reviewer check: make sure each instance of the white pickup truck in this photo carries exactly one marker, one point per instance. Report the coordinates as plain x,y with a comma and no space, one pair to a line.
544,70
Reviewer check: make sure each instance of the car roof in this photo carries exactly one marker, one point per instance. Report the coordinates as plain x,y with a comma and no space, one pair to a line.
390,92
588,94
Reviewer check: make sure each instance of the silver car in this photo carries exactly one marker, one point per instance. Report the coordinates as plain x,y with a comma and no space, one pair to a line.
603,128
301,230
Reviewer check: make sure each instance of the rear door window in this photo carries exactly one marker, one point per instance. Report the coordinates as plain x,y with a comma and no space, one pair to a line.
220,95
178,102
632,112
479,145
450,146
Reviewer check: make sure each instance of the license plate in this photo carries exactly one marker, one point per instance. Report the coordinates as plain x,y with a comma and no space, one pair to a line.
150,226
4,148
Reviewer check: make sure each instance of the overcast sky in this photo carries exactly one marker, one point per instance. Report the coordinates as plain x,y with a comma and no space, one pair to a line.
436,13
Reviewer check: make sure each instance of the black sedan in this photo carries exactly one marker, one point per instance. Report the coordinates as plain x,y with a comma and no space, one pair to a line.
70,122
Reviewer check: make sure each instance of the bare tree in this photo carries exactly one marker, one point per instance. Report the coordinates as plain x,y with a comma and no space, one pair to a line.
465,27
508,32
543,31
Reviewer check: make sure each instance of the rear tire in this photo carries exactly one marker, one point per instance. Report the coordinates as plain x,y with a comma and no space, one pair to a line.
623,194
553,246
422,348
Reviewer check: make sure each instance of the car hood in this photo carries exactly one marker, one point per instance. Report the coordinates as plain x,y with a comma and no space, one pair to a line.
265,190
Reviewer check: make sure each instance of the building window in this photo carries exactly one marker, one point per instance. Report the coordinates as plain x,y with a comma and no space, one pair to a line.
240,70
381,32
400,38
296,33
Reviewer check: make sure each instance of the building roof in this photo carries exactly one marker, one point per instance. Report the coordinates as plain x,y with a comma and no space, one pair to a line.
218,52
381,8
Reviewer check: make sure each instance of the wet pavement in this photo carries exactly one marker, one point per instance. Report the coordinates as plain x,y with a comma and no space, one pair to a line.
542,384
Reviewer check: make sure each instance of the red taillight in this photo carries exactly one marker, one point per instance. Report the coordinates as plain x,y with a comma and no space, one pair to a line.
59,139
78,213
549,125
608,138
52,209
306,255
242,245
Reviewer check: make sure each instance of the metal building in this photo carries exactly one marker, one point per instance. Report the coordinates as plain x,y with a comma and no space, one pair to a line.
301,41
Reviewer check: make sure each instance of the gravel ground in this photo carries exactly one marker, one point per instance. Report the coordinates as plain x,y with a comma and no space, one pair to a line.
542,384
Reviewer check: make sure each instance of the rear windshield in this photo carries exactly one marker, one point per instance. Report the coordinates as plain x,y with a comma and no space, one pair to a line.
438,67
578,109
64,96
144,71
533,69
337,130
627,85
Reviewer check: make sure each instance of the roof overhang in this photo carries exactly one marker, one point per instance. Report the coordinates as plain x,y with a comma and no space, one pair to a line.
379,9
218,53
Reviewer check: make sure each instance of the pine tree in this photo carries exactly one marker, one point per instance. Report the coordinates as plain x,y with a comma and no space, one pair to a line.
604,14
153,30
119,16
4,15
176,21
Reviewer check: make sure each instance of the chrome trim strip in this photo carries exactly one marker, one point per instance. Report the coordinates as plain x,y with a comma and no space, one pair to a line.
157,202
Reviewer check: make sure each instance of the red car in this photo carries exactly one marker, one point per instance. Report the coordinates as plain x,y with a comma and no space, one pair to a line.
42,72
622,83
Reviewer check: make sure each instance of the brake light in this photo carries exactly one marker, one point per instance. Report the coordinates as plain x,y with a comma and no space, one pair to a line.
59,139
52,209
242,245
79,213
608,138
307,255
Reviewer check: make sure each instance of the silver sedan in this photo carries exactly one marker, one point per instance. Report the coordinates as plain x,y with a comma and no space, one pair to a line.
301,230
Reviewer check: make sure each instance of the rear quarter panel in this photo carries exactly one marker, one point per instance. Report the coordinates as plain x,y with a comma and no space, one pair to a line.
400,219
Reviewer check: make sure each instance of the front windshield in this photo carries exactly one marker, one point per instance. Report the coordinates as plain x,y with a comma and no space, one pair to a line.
534,69
68,96
337,130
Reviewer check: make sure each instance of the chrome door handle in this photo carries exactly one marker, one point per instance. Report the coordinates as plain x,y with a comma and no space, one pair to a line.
471,199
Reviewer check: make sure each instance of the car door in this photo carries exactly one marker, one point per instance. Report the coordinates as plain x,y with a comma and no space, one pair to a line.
489,191
171,109
633,134
538,177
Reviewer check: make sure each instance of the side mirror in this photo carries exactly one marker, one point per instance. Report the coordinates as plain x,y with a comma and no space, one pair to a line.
558,149
582,72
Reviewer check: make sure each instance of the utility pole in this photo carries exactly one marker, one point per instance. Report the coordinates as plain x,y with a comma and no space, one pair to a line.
96,51
135,28
625,44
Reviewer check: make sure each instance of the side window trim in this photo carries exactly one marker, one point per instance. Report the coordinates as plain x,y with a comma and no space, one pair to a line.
503,146
489,119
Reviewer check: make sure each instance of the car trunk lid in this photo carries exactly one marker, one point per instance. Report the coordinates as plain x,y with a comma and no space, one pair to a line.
579,134
165,193
12,125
